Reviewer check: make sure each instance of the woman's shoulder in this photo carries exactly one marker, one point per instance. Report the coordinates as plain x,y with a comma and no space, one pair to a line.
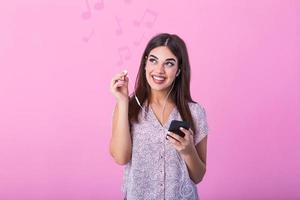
196,108
193,105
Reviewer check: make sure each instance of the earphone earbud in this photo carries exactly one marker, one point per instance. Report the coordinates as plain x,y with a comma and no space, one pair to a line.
177,74
137,101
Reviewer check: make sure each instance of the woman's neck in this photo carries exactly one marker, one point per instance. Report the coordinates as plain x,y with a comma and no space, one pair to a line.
160,98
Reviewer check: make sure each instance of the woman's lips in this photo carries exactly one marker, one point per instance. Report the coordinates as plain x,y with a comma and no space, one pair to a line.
158,79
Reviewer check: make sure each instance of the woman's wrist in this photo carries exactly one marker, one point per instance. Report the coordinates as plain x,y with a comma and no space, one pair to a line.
123,101
190,154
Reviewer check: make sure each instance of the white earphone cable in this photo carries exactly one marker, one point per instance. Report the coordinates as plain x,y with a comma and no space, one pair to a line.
165,100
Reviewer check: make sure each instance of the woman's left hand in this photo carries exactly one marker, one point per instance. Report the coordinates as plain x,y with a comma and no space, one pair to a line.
184,145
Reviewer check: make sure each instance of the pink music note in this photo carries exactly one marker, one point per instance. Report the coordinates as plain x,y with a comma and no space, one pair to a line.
119,28
99,5
124,53
87,38
149,17
87,14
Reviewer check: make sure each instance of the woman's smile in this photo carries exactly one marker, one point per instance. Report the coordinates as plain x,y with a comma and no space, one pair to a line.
158,79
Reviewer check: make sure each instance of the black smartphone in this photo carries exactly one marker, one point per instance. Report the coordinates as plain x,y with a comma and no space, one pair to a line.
175,125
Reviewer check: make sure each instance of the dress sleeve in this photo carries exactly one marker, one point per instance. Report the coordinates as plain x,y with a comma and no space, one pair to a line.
200,123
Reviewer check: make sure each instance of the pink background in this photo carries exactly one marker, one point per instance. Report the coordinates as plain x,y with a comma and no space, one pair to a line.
56,62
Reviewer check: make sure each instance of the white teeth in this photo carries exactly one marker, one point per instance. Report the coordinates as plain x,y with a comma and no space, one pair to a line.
158,78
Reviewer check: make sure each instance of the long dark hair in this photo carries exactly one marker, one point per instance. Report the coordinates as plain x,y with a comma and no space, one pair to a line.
180,94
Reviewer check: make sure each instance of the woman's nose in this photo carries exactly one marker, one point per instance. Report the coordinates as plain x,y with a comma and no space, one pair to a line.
160,67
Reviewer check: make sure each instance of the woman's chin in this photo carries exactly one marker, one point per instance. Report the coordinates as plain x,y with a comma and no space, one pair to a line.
159,87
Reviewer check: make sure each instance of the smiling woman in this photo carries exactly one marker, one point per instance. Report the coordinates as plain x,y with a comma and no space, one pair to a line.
161,68
159,164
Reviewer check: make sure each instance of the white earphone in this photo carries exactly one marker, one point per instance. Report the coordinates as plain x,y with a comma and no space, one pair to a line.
138,102
177,74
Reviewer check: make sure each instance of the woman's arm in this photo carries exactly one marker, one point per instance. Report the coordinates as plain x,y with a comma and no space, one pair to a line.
194,156
120,144
196,161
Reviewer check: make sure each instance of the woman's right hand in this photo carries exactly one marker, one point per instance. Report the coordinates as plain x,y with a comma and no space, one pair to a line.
119,86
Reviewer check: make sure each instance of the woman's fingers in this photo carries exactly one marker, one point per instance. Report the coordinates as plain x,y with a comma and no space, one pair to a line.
118,84
176,137
181,140
188,133
119,79
191,131
184,130
173,140
120,76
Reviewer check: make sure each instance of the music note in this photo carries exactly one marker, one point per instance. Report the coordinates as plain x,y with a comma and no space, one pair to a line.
87,14
119,28
148,18
99,5
87,38
124,53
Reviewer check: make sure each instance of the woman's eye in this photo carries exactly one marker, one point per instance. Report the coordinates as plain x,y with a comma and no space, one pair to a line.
152,60
169,64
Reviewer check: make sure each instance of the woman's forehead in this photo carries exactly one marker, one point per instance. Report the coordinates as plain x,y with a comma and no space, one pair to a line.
162,53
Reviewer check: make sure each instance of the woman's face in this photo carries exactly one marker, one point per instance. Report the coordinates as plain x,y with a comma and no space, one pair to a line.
161,68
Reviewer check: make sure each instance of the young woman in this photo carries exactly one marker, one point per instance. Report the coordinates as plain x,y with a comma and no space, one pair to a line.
159,164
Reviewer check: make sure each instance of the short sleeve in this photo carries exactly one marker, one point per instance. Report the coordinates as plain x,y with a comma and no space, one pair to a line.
200,120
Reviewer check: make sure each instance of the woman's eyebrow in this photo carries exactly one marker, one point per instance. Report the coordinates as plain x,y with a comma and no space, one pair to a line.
170,59
153,56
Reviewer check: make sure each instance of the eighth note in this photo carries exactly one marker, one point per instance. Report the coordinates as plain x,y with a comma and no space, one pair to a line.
124,53
87,14
99,5
148,18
